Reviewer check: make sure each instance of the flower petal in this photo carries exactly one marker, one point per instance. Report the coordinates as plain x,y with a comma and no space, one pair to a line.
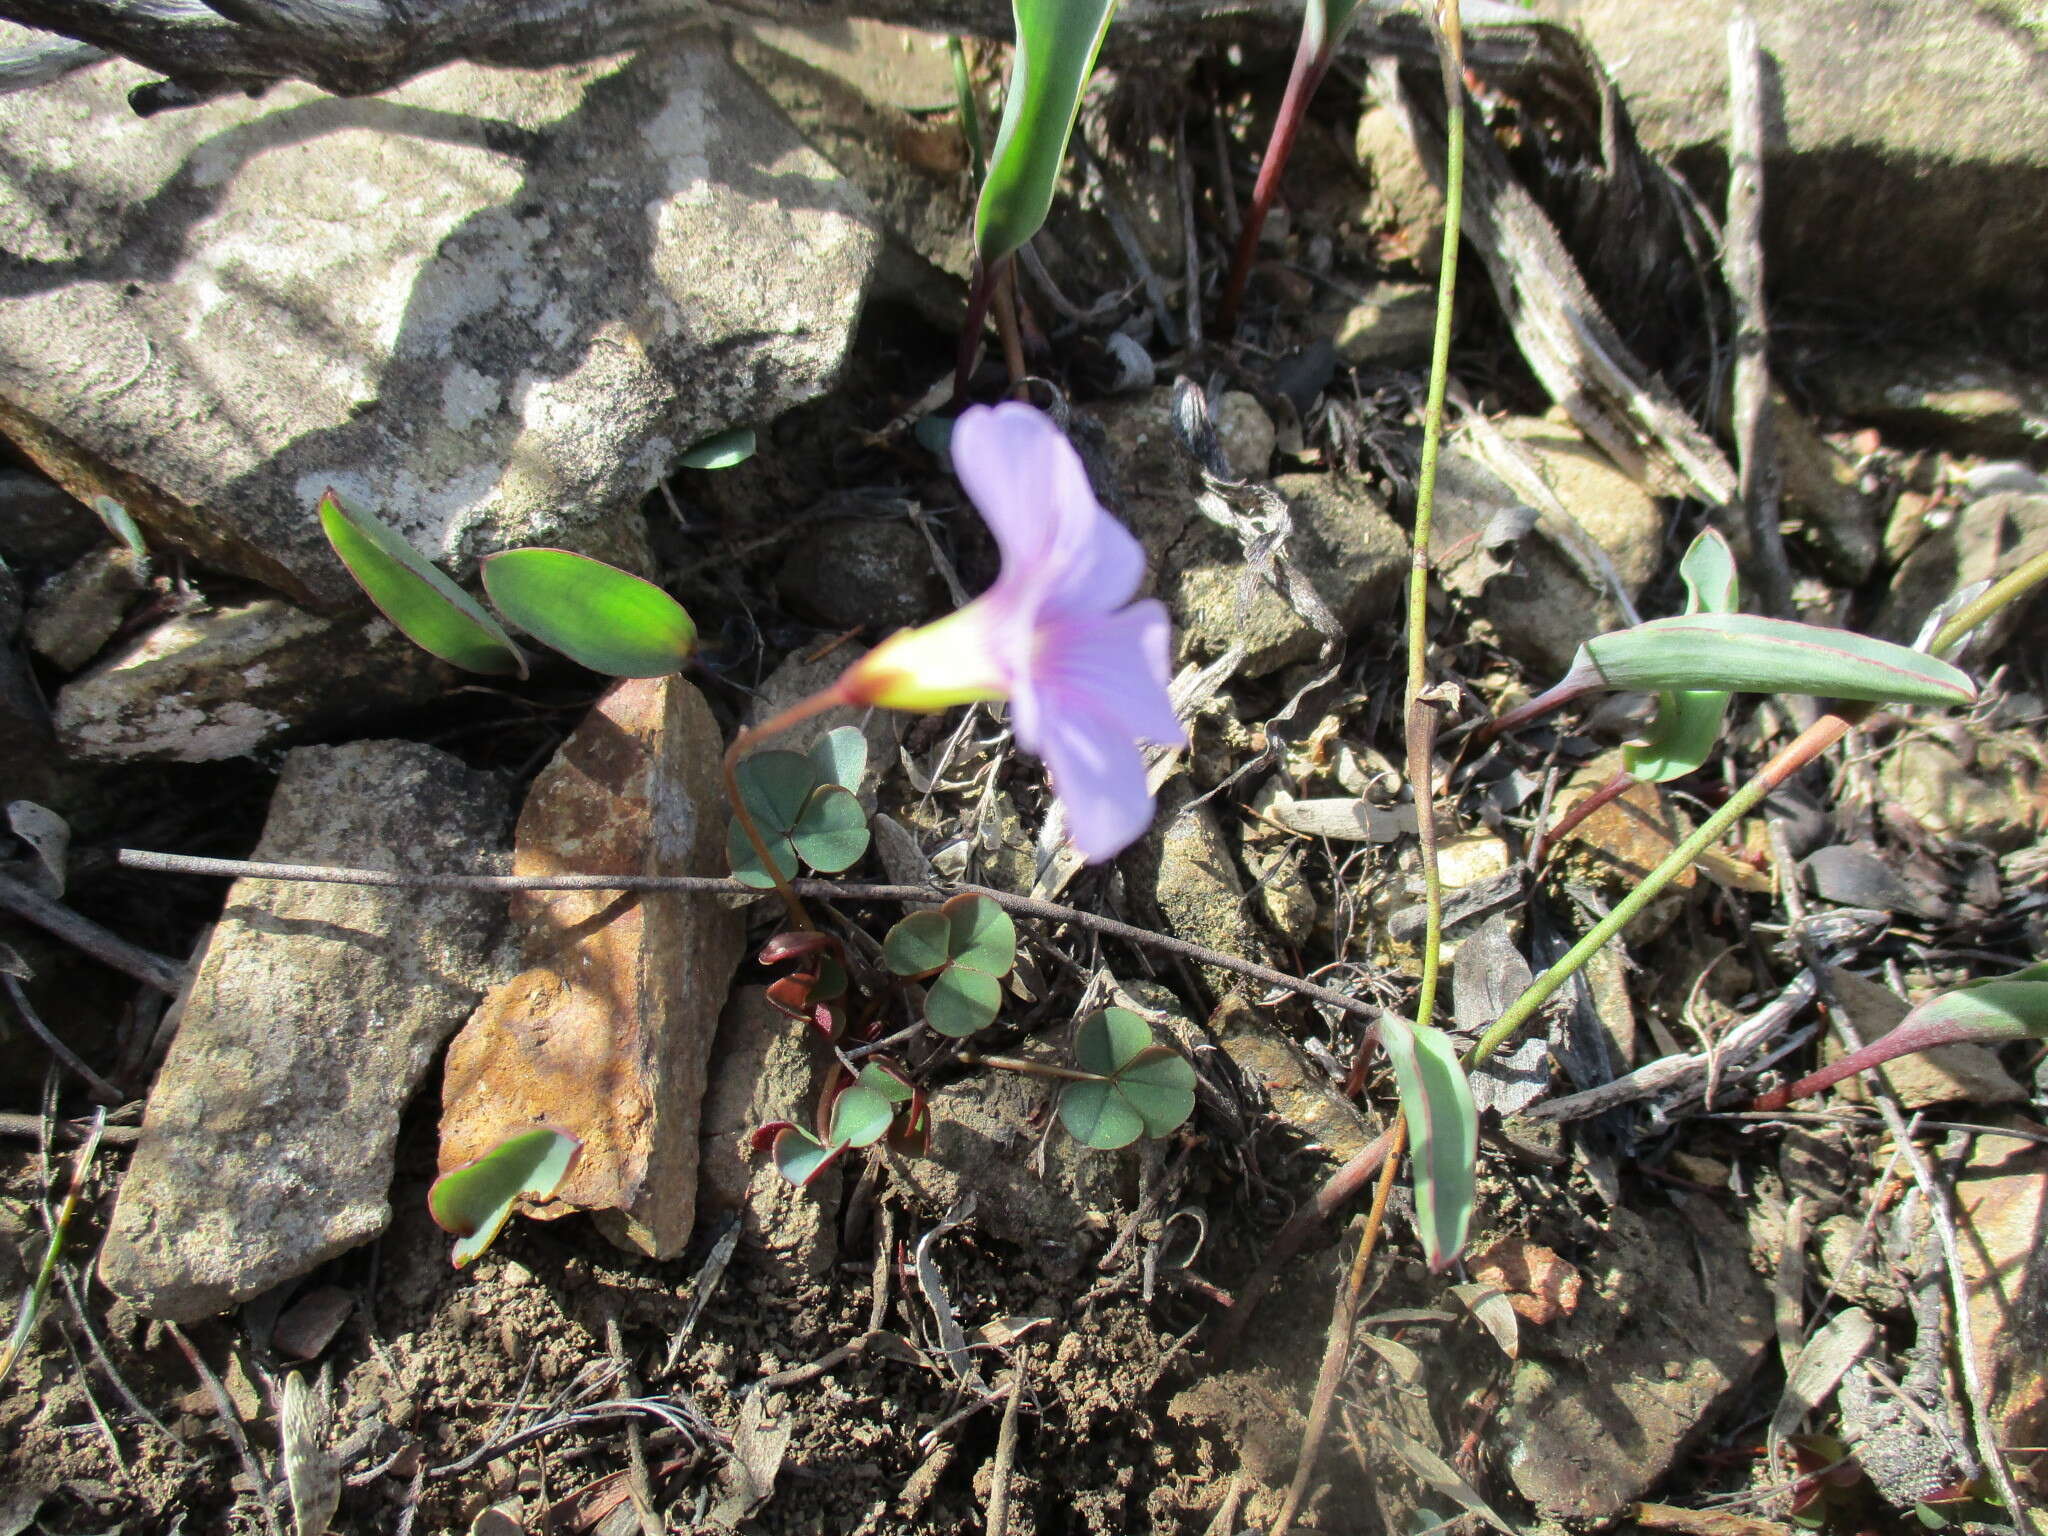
1116,664
1058,544
1100,778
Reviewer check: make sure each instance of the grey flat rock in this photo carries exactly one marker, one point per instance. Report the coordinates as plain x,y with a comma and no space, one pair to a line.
267,1143
491,305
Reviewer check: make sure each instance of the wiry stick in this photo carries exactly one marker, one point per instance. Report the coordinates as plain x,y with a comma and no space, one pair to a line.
1742,268
843,890
82,933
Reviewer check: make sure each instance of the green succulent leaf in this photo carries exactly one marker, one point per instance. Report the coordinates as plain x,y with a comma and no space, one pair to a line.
1057,41
1443,1131
799,1156
880,1079
1160,1085
860,1116
982,936
1688,723
1108,1039
425,606
961,1000
841,757
1098,1116
776,787
832,832
721,450
1744,653
747,867
1145,1088
918,945
473,1201
597,615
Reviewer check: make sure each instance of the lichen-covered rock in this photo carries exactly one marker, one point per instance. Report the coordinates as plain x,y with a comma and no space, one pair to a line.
78,611
315,1011
607,1031
491,305
221,682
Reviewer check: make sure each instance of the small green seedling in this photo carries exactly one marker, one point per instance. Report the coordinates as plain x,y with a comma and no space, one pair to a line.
1688,723
1994,1012
815,991
856,1112
722,450
965,948
595,614
425,606
804,805
1139,1087
474,1200
1443,1133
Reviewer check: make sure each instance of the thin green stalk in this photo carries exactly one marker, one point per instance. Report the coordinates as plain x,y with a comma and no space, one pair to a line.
970,113
32,1304
2006,590
1421,732
1804,748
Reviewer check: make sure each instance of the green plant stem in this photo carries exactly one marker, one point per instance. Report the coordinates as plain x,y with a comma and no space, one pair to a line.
1310,65
1803,749
32,1304
1026,1065
2006,590
970,111
1420,715
747,737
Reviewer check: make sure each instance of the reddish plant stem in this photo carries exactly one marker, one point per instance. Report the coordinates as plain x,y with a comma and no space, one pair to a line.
748,736
1562,828
980,294
1310,65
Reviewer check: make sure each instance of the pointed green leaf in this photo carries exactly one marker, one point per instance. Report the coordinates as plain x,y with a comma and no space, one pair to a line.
917,945
799,1156
1688,724
860,1117
1443,1133
841,757
983,937
832,832
961,1000
474,1200
1057,41
747,867
421,602
1743,653
595,614
775,786
1160,1085
721,450
1109,1038
1097,1116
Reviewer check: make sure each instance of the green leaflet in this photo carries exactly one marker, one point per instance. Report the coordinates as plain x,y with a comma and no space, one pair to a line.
1443,1133
595,614
425,606
1057,41
1743,653
1689,723
474,1200
1144,1088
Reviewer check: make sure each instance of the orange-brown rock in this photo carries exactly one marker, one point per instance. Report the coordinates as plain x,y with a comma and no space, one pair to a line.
606,1032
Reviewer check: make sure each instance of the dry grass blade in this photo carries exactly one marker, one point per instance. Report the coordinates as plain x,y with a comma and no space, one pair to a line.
32,1304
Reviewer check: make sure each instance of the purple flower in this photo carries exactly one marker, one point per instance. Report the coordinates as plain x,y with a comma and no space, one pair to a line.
1084,667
